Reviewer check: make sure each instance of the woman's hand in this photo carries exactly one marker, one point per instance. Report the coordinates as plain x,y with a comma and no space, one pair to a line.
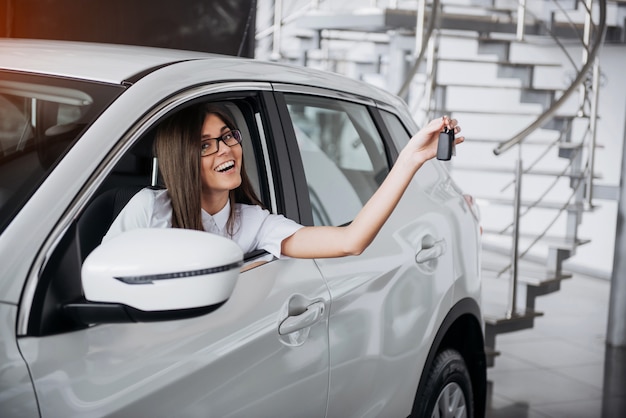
423,145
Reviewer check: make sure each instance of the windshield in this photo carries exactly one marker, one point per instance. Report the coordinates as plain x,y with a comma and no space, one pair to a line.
40,119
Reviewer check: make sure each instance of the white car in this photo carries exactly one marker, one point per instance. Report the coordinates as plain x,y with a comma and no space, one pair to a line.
91,330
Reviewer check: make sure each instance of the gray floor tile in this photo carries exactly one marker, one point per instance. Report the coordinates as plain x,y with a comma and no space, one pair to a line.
561,368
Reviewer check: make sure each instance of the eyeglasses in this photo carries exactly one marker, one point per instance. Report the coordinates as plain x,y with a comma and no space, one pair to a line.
212,145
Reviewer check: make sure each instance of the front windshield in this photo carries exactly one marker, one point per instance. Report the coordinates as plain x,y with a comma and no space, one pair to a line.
40,119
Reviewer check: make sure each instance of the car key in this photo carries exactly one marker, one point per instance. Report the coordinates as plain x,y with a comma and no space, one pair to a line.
445,146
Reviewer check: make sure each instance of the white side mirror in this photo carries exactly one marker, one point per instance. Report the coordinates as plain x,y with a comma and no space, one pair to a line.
157,274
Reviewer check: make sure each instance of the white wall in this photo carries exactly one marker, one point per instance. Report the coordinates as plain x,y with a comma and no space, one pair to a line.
599,226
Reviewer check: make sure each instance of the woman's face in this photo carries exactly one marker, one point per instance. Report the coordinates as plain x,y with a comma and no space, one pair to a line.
221,172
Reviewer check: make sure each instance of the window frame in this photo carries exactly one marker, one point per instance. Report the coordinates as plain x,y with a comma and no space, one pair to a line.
302,190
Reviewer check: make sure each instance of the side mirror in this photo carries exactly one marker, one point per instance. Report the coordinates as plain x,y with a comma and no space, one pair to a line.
157,274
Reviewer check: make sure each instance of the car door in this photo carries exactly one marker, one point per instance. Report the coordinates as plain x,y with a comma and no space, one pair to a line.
387,302
235,361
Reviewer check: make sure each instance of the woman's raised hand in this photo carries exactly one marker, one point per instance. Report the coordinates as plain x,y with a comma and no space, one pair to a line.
423,145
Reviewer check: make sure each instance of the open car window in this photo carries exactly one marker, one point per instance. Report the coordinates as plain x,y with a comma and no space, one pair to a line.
60,281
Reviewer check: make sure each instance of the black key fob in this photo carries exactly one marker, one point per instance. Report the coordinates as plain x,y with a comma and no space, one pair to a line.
445,146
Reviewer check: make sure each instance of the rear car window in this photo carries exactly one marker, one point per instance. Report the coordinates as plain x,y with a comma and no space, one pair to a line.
40,119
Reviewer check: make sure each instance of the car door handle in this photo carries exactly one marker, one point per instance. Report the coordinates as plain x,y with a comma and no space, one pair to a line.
313,313
430,252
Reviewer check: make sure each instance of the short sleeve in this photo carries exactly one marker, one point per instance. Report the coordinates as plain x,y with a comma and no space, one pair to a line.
271,229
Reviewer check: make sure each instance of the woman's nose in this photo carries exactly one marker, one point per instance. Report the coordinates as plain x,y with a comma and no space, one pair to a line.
222,148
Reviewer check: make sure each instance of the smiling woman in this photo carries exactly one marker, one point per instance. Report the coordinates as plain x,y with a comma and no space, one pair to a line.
205,190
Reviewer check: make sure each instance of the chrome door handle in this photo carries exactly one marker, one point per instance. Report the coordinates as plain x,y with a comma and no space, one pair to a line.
313,313
431,252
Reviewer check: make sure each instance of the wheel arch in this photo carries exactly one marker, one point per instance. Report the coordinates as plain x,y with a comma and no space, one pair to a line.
462,330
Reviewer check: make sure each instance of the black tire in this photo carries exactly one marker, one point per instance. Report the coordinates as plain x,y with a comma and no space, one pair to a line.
448,389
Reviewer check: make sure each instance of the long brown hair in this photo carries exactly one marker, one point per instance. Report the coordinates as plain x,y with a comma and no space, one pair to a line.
177,147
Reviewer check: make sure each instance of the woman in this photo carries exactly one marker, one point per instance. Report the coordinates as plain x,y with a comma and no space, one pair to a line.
200,158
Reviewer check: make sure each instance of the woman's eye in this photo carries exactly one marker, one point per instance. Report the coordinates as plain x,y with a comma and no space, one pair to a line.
226,137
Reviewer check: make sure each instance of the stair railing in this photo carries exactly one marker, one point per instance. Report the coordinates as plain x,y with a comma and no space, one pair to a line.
422,39
590,63
589,58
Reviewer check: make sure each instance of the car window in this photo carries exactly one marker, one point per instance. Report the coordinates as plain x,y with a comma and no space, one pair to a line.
342,153
396,128
40,119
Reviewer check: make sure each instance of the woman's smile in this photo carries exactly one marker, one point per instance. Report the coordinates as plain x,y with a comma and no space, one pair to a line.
225,166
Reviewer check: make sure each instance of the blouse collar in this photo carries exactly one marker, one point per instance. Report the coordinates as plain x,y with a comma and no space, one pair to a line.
221,217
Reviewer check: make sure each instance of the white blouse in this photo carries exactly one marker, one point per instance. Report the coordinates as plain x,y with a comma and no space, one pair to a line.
255,228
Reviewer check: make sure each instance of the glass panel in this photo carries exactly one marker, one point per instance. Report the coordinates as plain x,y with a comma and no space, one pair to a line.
40,119
342,153
396,128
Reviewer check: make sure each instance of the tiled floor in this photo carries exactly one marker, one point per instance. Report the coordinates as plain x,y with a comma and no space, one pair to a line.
561,368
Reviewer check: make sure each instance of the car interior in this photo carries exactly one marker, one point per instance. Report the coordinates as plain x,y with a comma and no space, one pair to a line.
60,282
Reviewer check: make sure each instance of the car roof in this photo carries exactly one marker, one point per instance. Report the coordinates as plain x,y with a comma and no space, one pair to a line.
90,61
116,64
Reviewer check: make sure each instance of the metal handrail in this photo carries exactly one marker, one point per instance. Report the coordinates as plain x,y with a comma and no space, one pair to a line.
418,60
582,74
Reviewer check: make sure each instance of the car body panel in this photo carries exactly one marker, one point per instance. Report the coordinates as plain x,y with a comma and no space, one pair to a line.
126,369
391,308
17,398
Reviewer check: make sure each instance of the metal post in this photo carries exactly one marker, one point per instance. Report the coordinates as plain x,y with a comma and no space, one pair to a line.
585,55
521,20
419,27
515,250
593,122
616,328
429,84
278,26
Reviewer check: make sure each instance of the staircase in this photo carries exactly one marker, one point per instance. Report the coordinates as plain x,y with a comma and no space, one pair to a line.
512,73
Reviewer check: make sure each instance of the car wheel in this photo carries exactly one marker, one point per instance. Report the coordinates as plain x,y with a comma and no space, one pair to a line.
448,389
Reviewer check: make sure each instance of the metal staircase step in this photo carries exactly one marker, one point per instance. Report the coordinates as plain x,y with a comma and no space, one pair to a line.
495,141
553,241
538,279
497,319
533,279
495,86
498,322
364,20
487,60
504,37
385,19
497,112
543,204
534,172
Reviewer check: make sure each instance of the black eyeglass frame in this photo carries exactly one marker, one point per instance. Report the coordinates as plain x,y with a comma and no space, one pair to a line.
236,133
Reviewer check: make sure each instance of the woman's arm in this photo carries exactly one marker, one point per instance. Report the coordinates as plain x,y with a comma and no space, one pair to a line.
353,239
